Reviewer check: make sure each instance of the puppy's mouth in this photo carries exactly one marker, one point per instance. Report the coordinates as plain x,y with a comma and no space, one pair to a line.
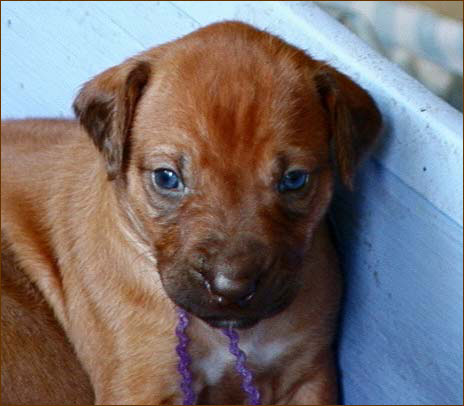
239,319
241,323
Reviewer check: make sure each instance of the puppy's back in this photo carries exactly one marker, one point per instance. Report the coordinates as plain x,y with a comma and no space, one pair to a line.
35,135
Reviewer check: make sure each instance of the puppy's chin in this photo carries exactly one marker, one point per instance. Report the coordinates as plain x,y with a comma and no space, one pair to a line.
247,322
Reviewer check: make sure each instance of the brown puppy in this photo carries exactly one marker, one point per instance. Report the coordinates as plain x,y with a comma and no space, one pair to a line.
211,169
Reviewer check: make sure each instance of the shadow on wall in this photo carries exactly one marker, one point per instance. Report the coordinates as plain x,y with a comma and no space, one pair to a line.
398,255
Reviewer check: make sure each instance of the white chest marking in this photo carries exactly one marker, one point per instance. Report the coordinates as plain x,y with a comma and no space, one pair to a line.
213,366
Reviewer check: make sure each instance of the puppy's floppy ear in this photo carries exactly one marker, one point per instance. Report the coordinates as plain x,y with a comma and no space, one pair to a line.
106,105
355,121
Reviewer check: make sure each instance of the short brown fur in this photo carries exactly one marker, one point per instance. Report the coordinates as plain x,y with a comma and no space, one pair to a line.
231,109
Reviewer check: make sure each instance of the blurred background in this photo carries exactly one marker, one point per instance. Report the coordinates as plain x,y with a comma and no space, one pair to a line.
452,9
424,37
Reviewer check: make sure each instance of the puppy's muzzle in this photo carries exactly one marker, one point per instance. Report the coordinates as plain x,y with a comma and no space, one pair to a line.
231,283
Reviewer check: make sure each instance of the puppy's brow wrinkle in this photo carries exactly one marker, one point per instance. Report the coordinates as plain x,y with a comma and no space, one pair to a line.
165,149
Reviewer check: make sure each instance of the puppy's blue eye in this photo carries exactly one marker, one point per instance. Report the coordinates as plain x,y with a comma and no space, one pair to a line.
166,179
293,180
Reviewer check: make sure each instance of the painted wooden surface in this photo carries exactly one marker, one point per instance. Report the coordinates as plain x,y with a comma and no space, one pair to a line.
400,232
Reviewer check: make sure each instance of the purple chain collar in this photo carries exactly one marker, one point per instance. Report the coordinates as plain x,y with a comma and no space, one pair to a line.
185,360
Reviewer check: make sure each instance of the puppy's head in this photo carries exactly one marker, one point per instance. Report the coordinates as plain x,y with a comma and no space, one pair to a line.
224,146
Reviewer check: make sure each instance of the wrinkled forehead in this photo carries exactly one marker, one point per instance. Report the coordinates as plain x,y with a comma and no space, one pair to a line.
244,109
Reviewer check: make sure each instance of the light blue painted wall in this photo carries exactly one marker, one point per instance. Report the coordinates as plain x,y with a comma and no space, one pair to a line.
400,232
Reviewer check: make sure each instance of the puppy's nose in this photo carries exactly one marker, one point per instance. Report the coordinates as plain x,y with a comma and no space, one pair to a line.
226,291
